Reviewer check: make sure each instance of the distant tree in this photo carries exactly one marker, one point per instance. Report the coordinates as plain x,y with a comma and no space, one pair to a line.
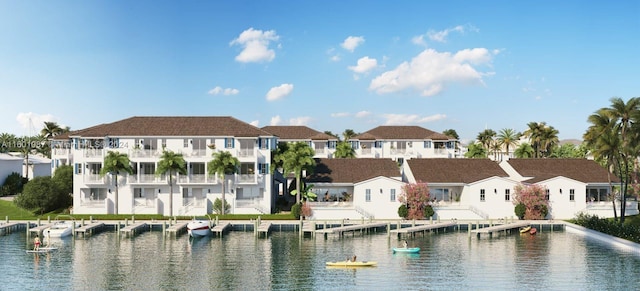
534,198
348,134
63,181
114,164
485,138
332,134
451,133
171,163
297,158
475,151
416,198
524,151
12,184
7,142
51,129
567,150
276,159
344,150
219,208
508,138
223,164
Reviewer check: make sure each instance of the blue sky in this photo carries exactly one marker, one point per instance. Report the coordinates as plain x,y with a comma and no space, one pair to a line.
329,65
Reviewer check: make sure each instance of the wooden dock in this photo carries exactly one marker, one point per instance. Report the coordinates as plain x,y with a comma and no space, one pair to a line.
422,228
134,229
176,229
498,228
347,228
220,228
90,228
10,227
263,228
40,228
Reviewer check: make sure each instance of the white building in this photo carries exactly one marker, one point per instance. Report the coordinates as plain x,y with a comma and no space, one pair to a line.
144,139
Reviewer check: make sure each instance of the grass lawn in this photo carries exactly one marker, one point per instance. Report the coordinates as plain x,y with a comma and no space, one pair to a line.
8,208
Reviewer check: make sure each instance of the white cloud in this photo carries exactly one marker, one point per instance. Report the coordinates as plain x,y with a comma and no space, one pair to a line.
224,91
279,92
362,114
403,119
419,40
352,42
303,120
441,36
365,64
430,72
276,120
255,45
255,123
340,114
33,122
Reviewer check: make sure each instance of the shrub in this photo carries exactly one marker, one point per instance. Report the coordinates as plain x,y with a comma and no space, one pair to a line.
520,210
296,210
217,206
12,185
428,211
403,211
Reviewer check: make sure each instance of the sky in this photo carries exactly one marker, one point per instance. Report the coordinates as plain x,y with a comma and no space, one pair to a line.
328,65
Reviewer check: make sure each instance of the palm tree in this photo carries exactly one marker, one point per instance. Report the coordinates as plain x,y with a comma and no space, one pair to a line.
348,134
299,157
604,145
508,138
485,138
114,163
344,150
524,151
223,164
535,133
51,129
171,163
475,151
548,139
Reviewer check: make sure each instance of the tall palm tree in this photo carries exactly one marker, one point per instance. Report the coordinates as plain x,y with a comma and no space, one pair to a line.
114,163
348,134
548,139
171,163
626,115
534,133
604,145
485,138
299,157
508,138
222,164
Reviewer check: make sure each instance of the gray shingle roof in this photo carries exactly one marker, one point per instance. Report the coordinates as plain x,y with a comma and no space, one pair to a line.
173,126
352,170
454,170
583,170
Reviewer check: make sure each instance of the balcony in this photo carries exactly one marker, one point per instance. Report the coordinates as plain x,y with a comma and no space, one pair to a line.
140,153
398,151
193,178
149,178
92,153
61,152
93,179
246,153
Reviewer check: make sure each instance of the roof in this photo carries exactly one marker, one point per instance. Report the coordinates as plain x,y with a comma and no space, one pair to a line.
454,170
401,132
205,126
298,132
583,170
352,170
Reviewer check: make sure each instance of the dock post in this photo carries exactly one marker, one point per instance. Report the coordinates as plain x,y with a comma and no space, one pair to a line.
48,218
413,223
388,229
469,229
313,226
126,222
38,222
6,219
133,219
300,226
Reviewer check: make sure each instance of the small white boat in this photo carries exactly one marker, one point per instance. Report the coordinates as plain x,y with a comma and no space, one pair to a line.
198,228
59,229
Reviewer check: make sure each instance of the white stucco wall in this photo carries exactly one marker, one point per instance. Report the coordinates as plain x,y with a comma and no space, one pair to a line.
381,204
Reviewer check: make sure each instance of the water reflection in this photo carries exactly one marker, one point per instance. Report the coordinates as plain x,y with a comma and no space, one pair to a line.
284,261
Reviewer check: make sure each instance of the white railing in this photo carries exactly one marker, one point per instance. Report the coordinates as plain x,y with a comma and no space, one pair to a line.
92,153
246,178
398,151
319,150
144,202
61,152
199,153
364,213
246,152
94,203
332,204
249,203
479,212
93,178
151,178
140,153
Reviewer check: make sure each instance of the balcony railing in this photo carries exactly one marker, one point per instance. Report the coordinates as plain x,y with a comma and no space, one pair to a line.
140,153
93,178
194,178
245,153
199,153
151,178
61,152
193,201
398,151
92,153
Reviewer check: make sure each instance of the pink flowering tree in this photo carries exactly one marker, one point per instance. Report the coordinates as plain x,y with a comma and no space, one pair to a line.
415,197
533,197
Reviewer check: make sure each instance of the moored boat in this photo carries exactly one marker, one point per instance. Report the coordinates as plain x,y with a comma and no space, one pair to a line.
351,264
59,229
533,231
525,229
406,250
198,228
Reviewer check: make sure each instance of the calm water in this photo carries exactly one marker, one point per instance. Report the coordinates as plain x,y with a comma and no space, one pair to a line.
239,261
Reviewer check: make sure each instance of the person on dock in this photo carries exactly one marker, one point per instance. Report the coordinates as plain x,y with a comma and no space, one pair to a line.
405,244
354,258
36,243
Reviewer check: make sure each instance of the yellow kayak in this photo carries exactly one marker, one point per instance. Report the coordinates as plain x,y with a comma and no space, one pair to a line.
351,264
525,229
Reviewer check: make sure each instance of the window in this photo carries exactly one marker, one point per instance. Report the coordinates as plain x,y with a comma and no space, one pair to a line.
137,192
377,144
185,143
263,143
507,194
333,144
546,195
78,168
228,143
263,168
572,195
392,195
427,144
367,196
482,195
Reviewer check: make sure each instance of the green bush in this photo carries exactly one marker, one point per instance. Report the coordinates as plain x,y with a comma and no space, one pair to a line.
217,206
610,227
403,211
296,210
520,210
428,211
12,185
